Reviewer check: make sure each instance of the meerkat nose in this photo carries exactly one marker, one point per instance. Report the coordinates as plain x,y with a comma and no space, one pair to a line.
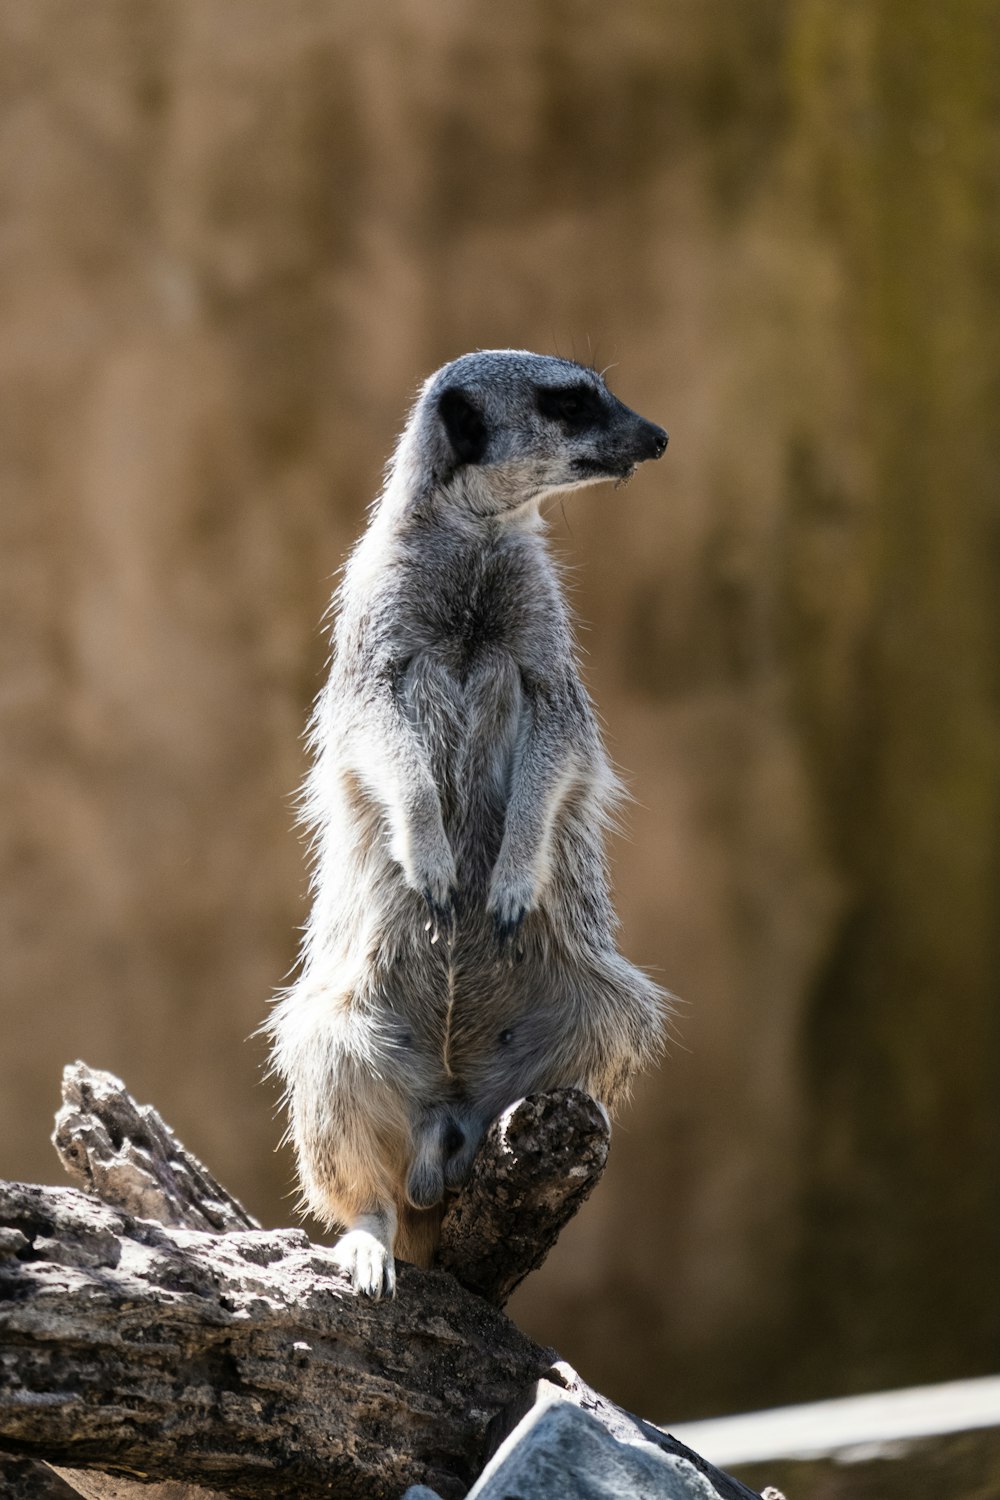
655,438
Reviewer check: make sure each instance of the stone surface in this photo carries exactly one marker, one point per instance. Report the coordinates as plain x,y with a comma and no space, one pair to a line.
561,1450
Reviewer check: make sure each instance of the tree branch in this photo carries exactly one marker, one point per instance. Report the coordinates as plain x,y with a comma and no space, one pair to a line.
538,1163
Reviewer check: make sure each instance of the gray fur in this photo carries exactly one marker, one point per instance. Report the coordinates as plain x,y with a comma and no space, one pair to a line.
461,948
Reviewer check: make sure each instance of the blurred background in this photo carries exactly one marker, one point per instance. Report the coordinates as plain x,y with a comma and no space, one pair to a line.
233,238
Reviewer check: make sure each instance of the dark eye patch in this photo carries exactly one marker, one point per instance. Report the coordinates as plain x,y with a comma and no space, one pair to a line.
577,407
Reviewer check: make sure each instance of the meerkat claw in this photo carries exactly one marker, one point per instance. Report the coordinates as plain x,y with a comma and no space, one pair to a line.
443,915
507,932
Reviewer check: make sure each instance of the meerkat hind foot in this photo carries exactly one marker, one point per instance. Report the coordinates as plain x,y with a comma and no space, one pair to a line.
367,1263
458,1164
424,1184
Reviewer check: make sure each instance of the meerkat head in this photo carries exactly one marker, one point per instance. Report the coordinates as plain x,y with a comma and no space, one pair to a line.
501,429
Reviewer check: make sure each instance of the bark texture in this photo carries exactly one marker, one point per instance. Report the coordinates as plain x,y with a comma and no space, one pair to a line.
125,1154
241,1362
540,1161
25,1479
245,1364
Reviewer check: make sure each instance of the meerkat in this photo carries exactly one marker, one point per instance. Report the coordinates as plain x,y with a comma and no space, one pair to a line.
460,952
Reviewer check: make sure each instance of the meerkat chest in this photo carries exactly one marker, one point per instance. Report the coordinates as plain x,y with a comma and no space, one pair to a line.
484,612
477,628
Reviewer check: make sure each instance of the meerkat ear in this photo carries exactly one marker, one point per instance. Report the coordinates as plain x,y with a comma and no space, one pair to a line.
465,425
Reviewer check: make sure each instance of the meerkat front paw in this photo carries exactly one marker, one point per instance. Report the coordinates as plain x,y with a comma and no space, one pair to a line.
367,1263
443,912
511,899
429,868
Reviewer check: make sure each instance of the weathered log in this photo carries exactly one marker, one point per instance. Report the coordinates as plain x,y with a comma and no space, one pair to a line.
244,1362
126,1155
241,1361
537,1165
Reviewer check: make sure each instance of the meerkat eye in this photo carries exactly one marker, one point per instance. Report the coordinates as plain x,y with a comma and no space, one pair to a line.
505,1036
575,406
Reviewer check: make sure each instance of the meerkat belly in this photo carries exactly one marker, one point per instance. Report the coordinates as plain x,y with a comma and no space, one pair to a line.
482,770
469,714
